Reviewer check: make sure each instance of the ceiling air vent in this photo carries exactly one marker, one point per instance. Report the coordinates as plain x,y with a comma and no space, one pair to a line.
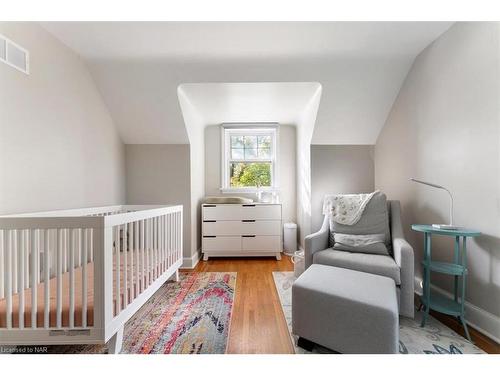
14,55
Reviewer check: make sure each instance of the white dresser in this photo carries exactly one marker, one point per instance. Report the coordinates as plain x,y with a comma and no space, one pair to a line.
241,230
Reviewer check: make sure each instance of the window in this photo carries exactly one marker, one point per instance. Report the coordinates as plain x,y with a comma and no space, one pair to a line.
249,160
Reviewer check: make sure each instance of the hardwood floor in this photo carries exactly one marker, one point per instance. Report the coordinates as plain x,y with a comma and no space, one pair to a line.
258,324
481,341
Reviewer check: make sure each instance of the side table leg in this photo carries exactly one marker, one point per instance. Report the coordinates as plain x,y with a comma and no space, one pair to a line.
465,328
462,297
427,278
456,260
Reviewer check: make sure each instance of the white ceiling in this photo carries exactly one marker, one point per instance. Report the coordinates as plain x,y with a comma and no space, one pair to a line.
139,66
283,102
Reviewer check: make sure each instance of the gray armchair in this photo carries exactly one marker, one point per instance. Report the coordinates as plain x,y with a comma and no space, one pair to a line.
399,266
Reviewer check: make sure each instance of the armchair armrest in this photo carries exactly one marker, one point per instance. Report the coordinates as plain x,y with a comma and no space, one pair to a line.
316,242
404,258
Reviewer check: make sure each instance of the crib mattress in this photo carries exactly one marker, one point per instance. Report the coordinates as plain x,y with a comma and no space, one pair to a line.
65,300
52,300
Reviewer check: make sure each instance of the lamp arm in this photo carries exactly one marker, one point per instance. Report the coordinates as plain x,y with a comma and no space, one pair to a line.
451,205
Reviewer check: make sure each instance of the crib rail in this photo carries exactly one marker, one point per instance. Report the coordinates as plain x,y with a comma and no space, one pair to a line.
40,262
145,245
86,268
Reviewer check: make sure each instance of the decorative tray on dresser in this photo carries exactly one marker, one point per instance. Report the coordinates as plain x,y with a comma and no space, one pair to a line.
252,229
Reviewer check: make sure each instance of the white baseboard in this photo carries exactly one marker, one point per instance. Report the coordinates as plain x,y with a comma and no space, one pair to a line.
191,262
482,320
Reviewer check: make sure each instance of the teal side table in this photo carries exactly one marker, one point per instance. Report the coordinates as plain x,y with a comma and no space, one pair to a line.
457,269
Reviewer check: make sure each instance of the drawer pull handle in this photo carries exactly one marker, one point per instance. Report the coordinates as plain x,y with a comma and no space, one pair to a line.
209,221
209,236
249,235
248,221
249,205
210,205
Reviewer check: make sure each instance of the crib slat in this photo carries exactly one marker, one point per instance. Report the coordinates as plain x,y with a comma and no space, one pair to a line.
171,232
78,256
8,242
91,247
157,245
137,268
84,276
35,252
160,246
21,250
71,255
152,249
181,234
147,245
3,272
152,243
155,239
64,252
131,251
165,238
174,238
157,235
59,270
117,268
46,279
125,265
27,252
15,250
168,235
143,258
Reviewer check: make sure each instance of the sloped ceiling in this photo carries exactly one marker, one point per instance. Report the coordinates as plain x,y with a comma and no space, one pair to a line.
282,102
138,68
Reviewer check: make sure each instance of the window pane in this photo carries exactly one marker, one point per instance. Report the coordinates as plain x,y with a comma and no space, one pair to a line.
264,141
250,174
237,153
250,141
264,153
237,141
250,153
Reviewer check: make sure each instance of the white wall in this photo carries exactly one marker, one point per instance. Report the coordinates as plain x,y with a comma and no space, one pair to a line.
304,138
194,127
159,174
286,160
58,145
444,128
339,169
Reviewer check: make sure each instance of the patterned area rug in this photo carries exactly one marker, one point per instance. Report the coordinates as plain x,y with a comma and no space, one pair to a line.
192,316
434,338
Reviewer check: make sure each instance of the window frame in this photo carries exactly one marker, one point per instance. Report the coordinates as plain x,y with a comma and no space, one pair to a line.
228,130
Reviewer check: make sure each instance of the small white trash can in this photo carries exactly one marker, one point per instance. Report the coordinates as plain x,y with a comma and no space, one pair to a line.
290,238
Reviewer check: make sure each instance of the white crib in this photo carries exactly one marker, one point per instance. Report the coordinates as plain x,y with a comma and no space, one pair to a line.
76,276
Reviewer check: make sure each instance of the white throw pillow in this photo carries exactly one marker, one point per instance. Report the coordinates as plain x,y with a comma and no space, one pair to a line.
361,243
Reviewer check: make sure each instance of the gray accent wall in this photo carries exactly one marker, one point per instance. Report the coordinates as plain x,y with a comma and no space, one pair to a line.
159,174
339,169
58,145
444,128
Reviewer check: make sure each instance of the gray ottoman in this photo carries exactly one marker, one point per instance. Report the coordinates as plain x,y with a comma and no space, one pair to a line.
346,311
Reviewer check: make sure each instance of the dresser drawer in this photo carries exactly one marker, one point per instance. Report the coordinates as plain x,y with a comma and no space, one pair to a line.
222,212
222,228
261,243
221,244
261,212
262,227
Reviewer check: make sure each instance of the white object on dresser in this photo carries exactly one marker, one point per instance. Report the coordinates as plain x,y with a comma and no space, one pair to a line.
252,229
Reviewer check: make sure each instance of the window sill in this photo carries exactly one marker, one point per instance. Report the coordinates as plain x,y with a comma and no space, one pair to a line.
245,190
